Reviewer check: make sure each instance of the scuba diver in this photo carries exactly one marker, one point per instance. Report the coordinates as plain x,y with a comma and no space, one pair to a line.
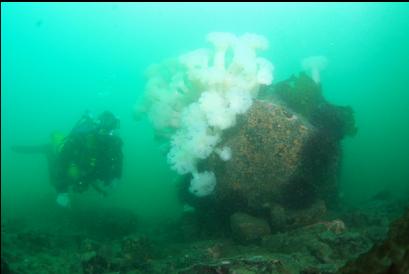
89,155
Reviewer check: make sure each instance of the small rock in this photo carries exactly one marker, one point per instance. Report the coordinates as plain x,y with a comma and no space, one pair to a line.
247,229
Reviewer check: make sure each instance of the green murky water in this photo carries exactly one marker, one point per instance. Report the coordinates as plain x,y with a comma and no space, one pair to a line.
60,59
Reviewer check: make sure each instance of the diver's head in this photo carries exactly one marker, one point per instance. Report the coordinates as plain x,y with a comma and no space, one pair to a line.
108,122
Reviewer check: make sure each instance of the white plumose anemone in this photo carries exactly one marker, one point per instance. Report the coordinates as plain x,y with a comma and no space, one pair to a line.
314,65
224,153
203,183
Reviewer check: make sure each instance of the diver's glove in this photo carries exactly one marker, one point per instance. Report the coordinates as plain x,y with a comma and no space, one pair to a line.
63,199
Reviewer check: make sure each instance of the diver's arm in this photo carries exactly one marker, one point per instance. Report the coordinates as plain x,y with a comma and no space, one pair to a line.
40,149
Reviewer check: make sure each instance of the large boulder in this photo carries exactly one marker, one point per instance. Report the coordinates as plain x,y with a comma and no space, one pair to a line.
267,151
286,156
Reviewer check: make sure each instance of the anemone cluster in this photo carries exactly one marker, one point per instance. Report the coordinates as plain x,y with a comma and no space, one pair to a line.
191,100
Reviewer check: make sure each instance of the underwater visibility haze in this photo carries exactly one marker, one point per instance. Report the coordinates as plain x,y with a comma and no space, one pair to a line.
204,138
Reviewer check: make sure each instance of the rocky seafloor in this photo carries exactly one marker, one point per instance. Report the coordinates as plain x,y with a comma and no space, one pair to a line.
113,242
